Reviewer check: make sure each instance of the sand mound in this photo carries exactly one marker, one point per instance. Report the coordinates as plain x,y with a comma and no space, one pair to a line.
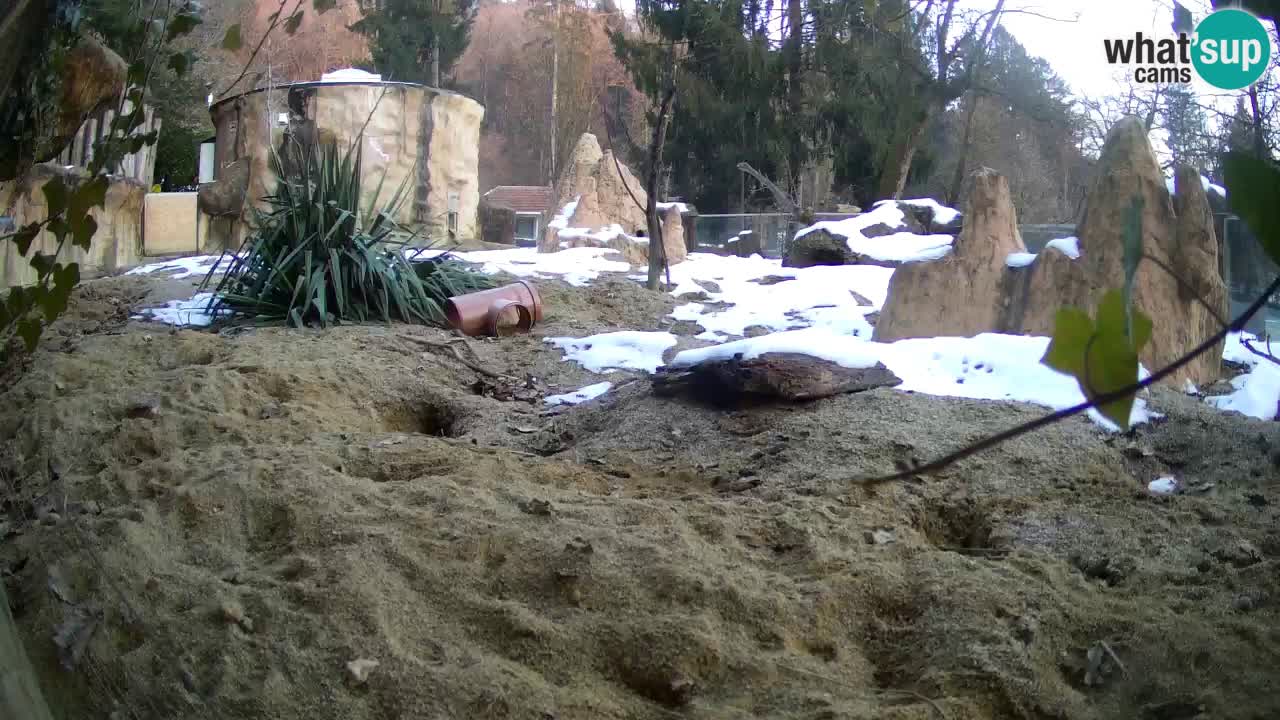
235,517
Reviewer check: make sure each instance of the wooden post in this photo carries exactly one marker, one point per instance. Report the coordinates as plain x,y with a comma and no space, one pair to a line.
20,696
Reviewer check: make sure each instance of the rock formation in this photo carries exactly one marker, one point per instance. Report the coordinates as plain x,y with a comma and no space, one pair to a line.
599,203
972,290
957,294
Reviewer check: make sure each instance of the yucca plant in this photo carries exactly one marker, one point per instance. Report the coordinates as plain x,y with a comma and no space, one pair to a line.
315,258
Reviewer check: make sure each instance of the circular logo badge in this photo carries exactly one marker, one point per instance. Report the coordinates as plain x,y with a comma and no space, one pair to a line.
1232,49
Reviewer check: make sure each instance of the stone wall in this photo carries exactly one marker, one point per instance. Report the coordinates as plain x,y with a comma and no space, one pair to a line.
422,139
117,244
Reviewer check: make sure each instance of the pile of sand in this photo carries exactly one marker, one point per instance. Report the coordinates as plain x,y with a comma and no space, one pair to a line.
231,519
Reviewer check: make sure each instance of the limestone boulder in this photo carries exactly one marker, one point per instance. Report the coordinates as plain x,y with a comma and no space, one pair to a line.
960,293
673,235
819,247
601,190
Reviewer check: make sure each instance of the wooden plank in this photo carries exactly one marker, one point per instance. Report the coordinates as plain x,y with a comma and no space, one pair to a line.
20,695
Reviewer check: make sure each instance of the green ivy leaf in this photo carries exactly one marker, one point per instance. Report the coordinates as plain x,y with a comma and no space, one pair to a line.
83,229
54,301
42,263
25,236
232,40
180,62
324,6
59,228
90,194
1251,191
55,195
182,24
29,330
292,24
1101,356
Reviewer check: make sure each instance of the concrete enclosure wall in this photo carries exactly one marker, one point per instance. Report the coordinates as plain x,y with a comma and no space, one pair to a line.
423,139
116,245
171,224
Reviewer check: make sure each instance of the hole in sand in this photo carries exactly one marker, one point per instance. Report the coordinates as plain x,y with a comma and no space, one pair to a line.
425,417
962,526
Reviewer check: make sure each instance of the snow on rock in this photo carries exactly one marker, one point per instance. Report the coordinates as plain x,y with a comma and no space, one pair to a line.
624,350
1166,485
679,206
349,75
1069,246
822,296
193,312
576,266
843,350
1019,259
902,246
986,367
581,395
942,214
180,268
561,220
1205,182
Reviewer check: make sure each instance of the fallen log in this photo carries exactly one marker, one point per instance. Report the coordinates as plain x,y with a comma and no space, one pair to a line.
772,376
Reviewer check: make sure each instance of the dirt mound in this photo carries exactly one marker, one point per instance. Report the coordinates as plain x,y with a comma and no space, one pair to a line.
234,517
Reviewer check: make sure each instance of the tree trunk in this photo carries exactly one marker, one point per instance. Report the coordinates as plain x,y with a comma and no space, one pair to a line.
1259,133
657,250
555,85
893,177
435,65
957,181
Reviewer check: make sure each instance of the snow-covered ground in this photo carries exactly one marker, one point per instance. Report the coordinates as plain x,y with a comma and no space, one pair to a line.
819,311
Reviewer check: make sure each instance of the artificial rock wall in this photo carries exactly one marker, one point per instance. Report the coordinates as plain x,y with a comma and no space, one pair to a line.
424,139
973,290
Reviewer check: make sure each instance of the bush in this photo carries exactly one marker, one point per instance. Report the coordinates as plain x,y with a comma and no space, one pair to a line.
314,258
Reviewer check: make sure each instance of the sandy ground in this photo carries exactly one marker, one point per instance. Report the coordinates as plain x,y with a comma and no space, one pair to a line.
214,524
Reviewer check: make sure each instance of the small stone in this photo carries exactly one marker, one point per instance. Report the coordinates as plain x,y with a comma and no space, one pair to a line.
1243,603
188,680
51,518
143,408
358,670
233,612
535,506
879,536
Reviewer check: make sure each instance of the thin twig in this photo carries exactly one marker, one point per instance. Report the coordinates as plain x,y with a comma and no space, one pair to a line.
1121,394
254,56
452,349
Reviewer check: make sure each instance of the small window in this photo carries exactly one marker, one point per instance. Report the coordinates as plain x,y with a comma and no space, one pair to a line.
527,227
453,224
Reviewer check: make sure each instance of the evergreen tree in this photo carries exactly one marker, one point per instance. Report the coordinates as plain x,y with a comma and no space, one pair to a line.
1184,121
417,40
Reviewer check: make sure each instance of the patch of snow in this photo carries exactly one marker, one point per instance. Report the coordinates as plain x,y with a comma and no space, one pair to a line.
186,267
679,206
624,350
941,213
821,296
581,395
1190,388
1209,187
1019,259
350,75
193,312
898,247
1257,394
561,220
1069,246
986,367
1166,485
576,266
603,235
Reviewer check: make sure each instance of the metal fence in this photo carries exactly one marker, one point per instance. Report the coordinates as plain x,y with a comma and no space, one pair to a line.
139,166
